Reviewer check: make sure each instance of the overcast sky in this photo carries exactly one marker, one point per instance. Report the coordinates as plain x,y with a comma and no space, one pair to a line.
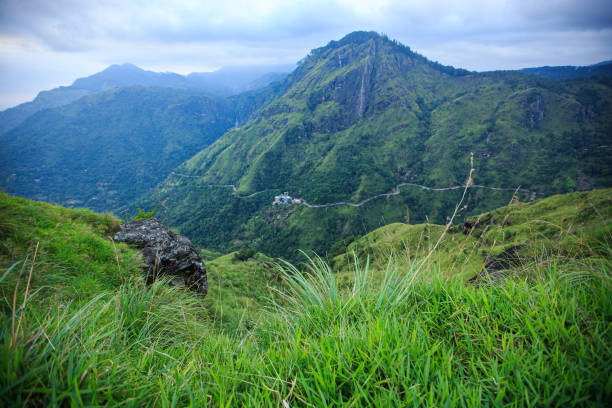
47,43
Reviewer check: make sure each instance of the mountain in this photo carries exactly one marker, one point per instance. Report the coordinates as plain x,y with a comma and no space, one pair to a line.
117,76
364,114
602,70
224,82
63,95
107,149
234,80
364,132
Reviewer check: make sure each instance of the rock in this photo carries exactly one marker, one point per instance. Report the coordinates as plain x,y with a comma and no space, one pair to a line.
498,268
509,258
536,112
472,224
165,253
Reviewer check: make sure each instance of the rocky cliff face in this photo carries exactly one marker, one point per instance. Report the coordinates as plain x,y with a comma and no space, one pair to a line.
165,253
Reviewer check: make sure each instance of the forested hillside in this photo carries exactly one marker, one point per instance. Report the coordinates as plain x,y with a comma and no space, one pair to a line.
364,114
107,149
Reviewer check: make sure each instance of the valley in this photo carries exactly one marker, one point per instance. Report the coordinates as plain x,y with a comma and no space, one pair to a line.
364,131
396,191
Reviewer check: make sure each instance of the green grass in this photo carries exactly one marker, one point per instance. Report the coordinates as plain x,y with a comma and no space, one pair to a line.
75,258
562,226
239,291
391,335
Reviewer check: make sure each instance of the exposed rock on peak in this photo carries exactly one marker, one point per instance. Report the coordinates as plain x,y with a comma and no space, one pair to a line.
165,253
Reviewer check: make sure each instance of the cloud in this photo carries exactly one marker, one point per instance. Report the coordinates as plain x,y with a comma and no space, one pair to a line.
567,14
69,36
523,50
74,25
71,25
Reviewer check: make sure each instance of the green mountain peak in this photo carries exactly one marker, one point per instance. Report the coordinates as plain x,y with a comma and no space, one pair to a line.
362,115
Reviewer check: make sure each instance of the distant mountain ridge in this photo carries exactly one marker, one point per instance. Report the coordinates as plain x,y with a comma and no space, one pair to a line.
117,76
602,69
224,82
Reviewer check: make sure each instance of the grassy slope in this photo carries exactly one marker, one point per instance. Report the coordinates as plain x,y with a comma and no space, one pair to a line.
238,291
74,256
540,341
569,225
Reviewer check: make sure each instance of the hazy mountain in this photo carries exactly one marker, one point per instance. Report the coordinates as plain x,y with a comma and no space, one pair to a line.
234,80
363,114
63,95
224,82
105,150
117,76
602,70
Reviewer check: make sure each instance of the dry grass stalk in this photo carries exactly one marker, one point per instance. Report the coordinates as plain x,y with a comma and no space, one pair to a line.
15,300
25,296
469,182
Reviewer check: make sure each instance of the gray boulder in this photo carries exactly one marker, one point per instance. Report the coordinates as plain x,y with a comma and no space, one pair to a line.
165,253
497,269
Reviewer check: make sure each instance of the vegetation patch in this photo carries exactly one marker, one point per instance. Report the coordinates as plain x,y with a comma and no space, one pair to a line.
569,226
79,326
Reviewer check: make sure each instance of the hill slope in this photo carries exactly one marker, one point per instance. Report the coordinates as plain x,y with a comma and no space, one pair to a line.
79,327
105,150
12,117
516,236
364,114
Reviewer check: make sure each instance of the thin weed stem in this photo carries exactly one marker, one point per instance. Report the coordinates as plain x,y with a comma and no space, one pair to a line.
15,301
469,182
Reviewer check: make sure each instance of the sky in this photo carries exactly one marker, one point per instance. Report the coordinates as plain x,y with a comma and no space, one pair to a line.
45,44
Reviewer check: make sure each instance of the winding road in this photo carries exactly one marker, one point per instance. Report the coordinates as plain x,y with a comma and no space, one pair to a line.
397,191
